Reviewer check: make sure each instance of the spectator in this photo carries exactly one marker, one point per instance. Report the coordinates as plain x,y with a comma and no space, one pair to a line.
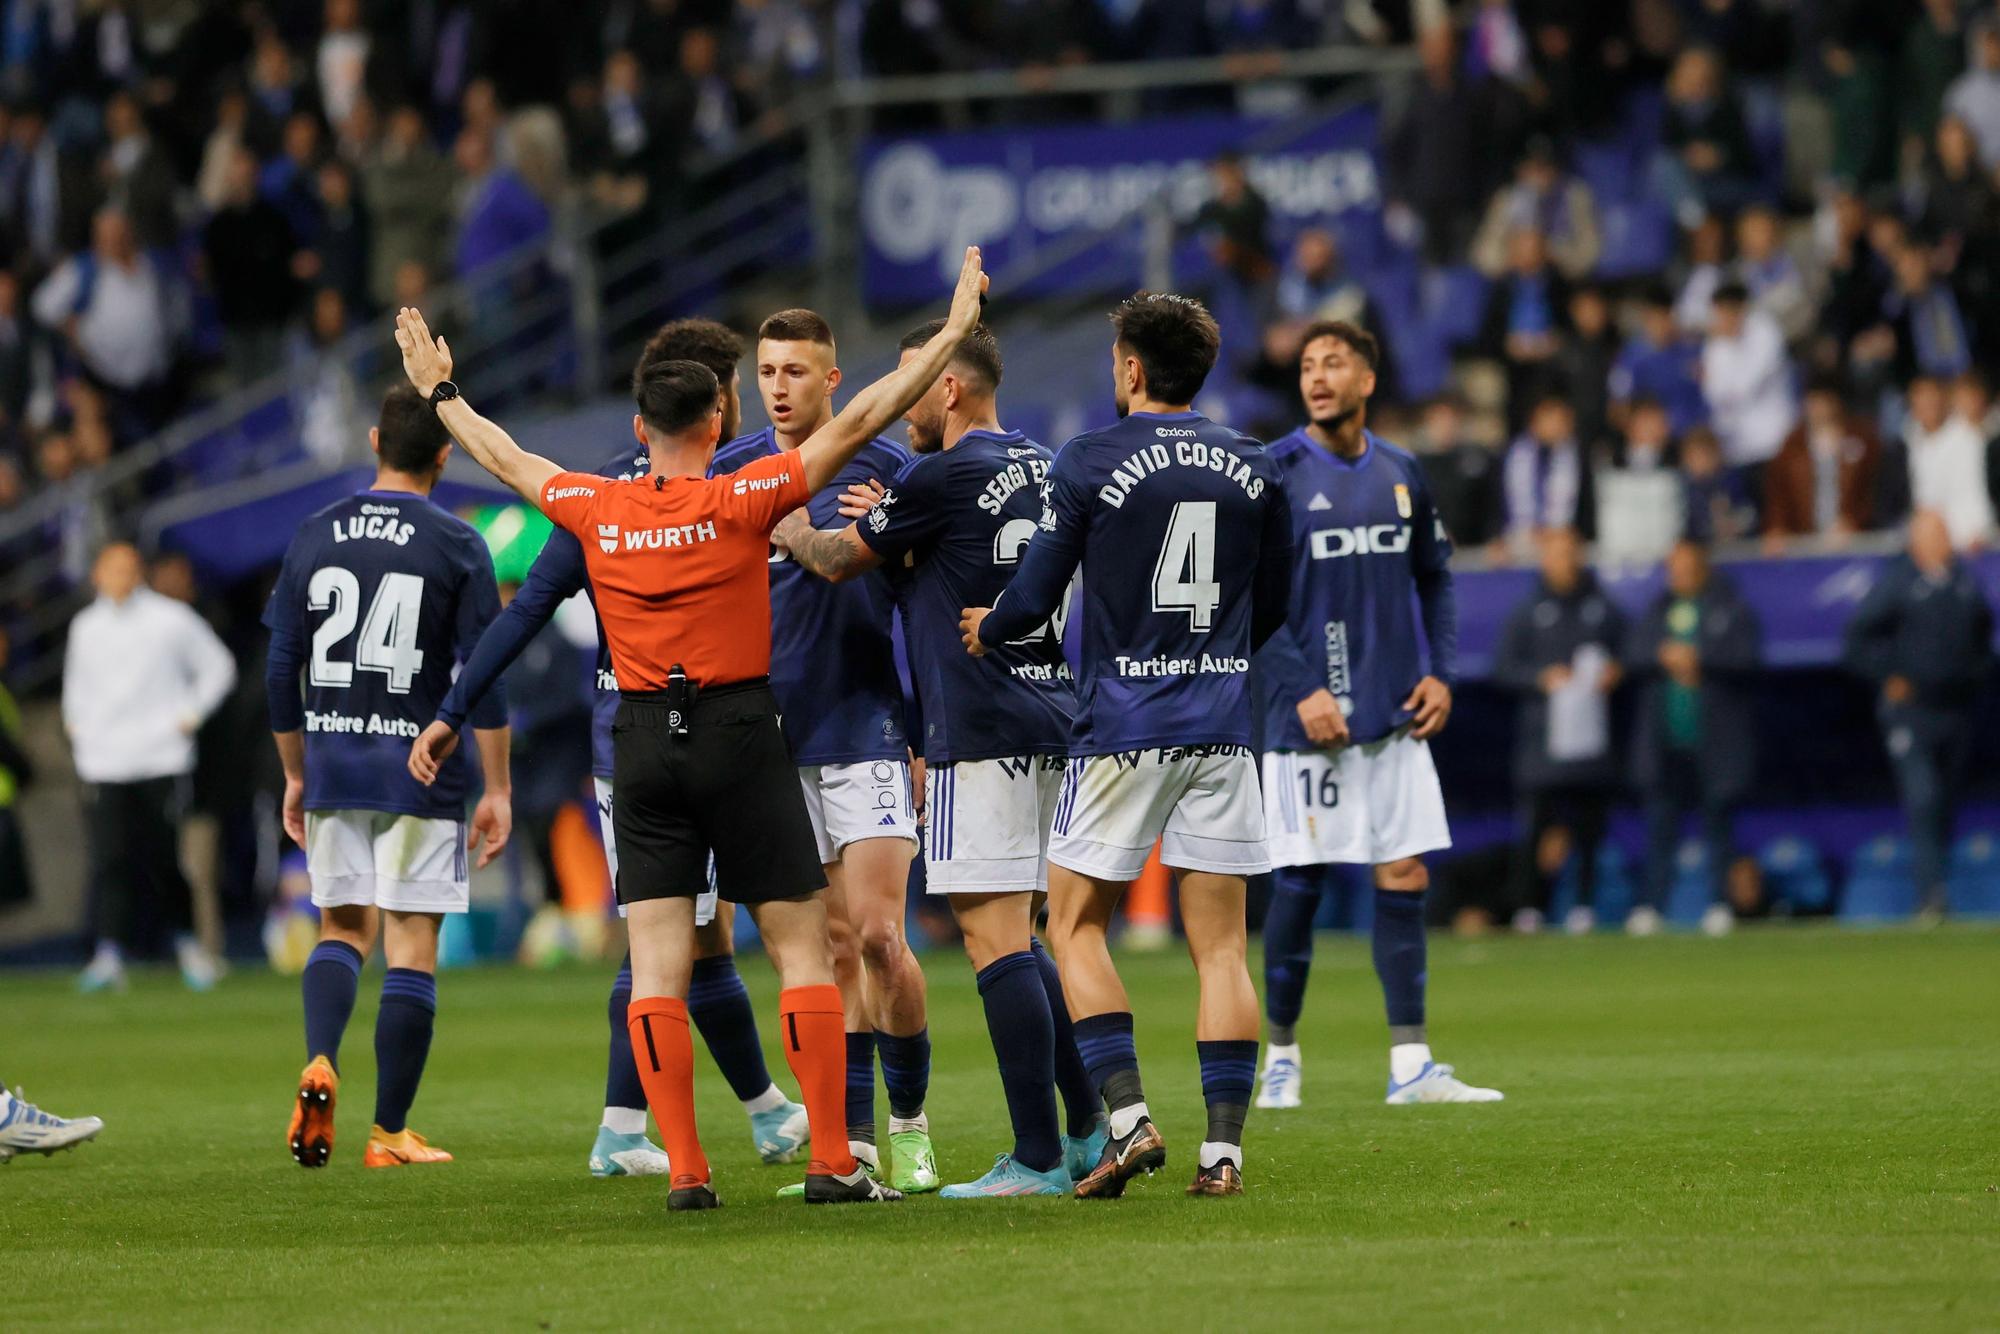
1940,465
17,360
1960,216
331,424
1825,478
287,179
1924,638
498,213
41,195
1858,255
342,62
1541,197
1707,270
1747,380
120,316
1235,225
1777,284
1431,151
218,151
1522,324
1922,314
1859,43
1315,285
713,109
17,885
1559,653
1972,403
248,246
1713,500
1706,163
337,253
1975,97
1696,656
1464,476
136,176
140,674
411,215
1547,477
622,146
1583,364
1647,443
1933,57
1661,363
274,89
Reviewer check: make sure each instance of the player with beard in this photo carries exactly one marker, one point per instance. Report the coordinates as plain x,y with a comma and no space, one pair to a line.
833,670
1355,685
718,1004
950,531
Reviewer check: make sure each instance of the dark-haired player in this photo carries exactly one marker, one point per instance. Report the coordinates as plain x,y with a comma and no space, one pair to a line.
1355,687
833,670
1181,529
381,595
950,530
718,1004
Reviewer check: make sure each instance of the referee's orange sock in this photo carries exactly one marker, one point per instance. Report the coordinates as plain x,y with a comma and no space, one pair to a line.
816,1049
664,1054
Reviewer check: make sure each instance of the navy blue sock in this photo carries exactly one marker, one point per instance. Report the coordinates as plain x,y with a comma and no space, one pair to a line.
861,1087
1401,961
1017,1017
719,1005
333,974
1227,1069
621,1076
1288,947
1105,1043
1081,1103
402,1042
906,1070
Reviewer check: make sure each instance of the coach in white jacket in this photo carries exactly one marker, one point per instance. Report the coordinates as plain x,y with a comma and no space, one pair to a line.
1747,379
141,674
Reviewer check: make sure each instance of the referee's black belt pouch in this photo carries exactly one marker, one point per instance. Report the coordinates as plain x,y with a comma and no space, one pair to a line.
734,702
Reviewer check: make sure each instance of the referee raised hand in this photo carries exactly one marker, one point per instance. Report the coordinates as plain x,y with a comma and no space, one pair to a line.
679,564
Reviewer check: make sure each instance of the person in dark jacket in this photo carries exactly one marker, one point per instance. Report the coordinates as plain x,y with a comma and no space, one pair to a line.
1696,656
16,772
1924,636
1560,652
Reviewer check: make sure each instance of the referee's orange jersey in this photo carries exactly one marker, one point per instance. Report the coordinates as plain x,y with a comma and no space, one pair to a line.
680,566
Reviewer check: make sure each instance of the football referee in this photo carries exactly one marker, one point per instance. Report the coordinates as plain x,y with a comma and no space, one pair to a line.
679,563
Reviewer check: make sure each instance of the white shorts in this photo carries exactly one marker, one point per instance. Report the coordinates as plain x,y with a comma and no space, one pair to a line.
378,859
1200,802
852,802
704,902
1362,805
988,824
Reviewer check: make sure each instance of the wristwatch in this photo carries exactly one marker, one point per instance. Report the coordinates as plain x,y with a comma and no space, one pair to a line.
444,391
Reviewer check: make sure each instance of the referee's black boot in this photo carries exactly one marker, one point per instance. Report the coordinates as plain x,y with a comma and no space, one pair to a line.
855,1188
693,1197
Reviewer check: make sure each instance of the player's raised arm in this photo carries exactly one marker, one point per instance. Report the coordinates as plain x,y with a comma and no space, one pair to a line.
427,361
828,449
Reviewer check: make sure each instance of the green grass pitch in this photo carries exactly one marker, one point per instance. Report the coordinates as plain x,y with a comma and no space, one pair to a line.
1786,1129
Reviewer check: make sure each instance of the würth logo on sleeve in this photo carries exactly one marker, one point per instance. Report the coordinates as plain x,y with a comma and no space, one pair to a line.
607,537
745,485
569,492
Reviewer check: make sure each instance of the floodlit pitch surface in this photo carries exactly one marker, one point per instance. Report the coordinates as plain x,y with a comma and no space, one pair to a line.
1786,1129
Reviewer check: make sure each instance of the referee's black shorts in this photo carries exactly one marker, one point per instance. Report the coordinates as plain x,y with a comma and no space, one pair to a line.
728,786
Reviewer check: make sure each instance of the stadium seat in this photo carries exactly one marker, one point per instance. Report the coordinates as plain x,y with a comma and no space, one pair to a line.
1879,887
1693,887
1972,884
1795,874
1614,887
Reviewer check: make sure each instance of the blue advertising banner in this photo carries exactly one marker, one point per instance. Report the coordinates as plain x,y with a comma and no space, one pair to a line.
1075,197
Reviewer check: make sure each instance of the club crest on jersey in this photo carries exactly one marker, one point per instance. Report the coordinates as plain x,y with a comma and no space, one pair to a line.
607,537
1403,500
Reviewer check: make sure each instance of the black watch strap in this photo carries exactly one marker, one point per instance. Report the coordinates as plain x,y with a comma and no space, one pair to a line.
444,391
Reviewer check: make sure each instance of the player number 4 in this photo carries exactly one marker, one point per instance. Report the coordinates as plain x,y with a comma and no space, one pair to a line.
1184,576
388,641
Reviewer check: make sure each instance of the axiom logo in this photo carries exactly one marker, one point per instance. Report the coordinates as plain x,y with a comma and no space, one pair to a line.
1382,539
1173,433
607,537
745,485
567,492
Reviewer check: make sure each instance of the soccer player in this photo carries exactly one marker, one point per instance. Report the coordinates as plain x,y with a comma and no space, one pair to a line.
26,1128
950,530
1181,529
381,594
717,1002
1355,689
833,670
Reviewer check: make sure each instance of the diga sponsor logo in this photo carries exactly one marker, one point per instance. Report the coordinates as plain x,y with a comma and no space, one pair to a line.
1382,539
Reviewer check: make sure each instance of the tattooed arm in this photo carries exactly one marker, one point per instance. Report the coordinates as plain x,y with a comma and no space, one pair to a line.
832,554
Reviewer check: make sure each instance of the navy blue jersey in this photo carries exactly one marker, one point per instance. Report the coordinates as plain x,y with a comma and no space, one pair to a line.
557,575
1181,529
1371,611
381,595
833,663
950,532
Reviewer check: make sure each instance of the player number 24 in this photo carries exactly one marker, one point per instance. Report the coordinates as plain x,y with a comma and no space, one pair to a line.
388,634
1184,575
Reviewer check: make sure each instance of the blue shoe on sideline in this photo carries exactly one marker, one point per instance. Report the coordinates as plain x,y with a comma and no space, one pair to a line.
616,1155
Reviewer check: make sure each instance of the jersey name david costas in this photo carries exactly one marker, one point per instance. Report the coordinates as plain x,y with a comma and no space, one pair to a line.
1179,526
833,663
382,594
960,518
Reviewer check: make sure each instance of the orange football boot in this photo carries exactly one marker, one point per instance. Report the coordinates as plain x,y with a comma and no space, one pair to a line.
405,1148
311,1133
